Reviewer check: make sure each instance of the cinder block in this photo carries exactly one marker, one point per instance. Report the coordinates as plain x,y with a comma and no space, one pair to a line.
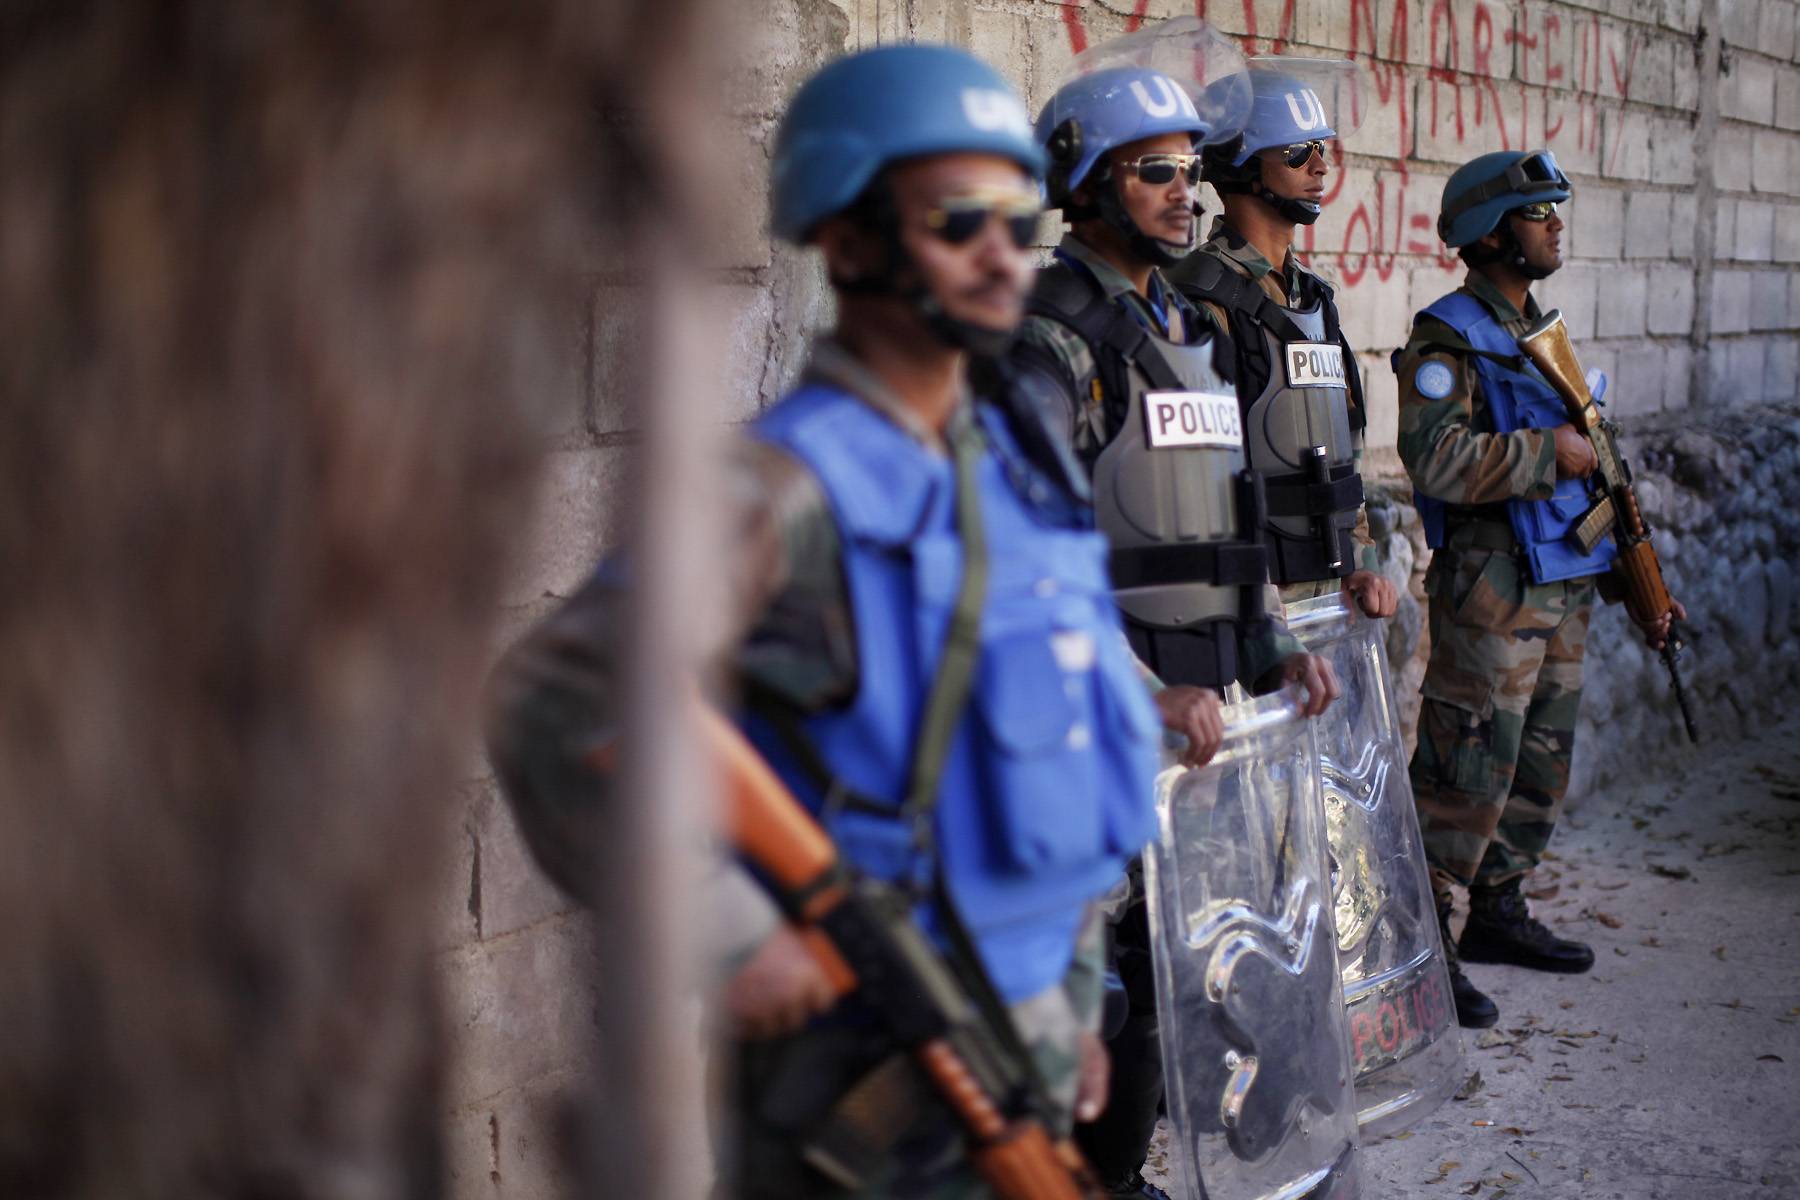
1740,22
1672,151
1753,238
509,1148
1652,79
1683,223
1623,302
1382,394
1546,43
1787,99
1769,300
778,43
1794,292
1731,302
1596,225
577,515
1641,381
1787,234
1575,290
1678,367
1781,381
1381,131
1647,217
745,314
516,1007
1775,28
1731,157
1748,93
1771,155
1748,358
1680,14
1625,143
1457,121
511,891
739,231
1671,308
1725,229
1375,312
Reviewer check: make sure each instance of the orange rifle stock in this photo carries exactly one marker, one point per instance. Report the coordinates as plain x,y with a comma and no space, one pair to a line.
1015,1155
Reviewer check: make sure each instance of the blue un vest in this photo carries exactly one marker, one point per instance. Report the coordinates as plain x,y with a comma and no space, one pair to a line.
1047,787
1519,400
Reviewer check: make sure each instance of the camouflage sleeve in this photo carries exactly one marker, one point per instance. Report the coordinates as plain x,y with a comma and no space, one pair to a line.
1366,555
1053,347
555,697
1440,447
1261,652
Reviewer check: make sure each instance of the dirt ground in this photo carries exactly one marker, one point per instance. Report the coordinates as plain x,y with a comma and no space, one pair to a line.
1672,1070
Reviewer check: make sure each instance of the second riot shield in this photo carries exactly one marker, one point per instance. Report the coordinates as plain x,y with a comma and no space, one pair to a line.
1254,1043
1402,1022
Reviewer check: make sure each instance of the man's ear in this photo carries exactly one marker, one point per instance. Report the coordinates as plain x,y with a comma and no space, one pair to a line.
1491,240
850,250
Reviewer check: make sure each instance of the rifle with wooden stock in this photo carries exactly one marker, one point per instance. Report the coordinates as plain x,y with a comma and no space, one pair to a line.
862,934
1546,344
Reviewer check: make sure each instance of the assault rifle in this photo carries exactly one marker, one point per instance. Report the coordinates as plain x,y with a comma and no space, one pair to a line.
1546,344
862,933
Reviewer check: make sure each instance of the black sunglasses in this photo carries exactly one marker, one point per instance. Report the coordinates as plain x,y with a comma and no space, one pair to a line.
1537,210
958,219
1159,169
1300,153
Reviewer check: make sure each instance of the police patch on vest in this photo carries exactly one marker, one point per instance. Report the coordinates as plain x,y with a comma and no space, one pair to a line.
1192,419
1314,364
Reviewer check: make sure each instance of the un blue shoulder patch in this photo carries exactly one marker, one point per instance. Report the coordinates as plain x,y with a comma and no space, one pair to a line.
1433,380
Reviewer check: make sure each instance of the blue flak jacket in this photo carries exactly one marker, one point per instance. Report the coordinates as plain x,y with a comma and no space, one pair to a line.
1047,787
1521,400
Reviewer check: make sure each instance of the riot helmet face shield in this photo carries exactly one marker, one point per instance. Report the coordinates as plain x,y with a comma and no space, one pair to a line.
1301,109
1157,94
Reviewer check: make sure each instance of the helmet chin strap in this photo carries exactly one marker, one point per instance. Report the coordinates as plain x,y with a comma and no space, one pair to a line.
1298,212
1150,249
947,330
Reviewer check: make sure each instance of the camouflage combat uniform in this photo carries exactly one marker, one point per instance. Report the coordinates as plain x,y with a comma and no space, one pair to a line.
556,696
1168,311
1235,251
1501,690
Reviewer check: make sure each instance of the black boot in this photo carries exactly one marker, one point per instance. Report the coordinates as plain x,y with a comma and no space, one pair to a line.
1135,1188
1501,929
1473,1008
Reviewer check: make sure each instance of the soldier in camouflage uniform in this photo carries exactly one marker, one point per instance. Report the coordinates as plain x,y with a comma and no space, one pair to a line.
1503,684
872,494
1271,177
1105,329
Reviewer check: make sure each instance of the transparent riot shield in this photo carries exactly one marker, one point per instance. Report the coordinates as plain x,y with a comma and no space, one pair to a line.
1255,1052
1403,1035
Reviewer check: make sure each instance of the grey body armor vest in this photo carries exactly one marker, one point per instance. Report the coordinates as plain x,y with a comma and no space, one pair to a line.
1299,389
1170,487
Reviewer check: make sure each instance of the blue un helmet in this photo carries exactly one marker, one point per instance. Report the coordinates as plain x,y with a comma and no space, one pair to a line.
1484,189
1296,104
865,112
1143,85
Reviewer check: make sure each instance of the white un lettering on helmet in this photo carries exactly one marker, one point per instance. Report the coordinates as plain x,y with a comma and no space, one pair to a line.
994,111
1306,110
1169,99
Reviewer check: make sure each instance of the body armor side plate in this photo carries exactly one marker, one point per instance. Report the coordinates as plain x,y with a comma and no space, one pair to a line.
1282,427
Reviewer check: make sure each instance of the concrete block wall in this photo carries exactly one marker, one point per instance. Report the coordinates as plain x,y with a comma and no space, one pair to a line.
1681,282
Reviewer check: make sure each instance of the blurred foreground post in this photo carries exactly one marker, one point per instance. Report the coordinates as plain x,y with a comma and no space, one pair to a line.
286,290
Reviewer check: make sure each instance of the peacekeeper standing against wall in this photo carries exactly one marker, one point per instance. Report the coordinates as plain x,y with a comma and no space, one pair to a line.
1500,478
892,527
1296,374
1109,335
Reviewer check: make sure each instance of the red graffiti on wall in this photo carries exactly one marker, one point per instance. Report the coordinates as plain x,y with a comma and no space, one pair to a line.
1572,67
